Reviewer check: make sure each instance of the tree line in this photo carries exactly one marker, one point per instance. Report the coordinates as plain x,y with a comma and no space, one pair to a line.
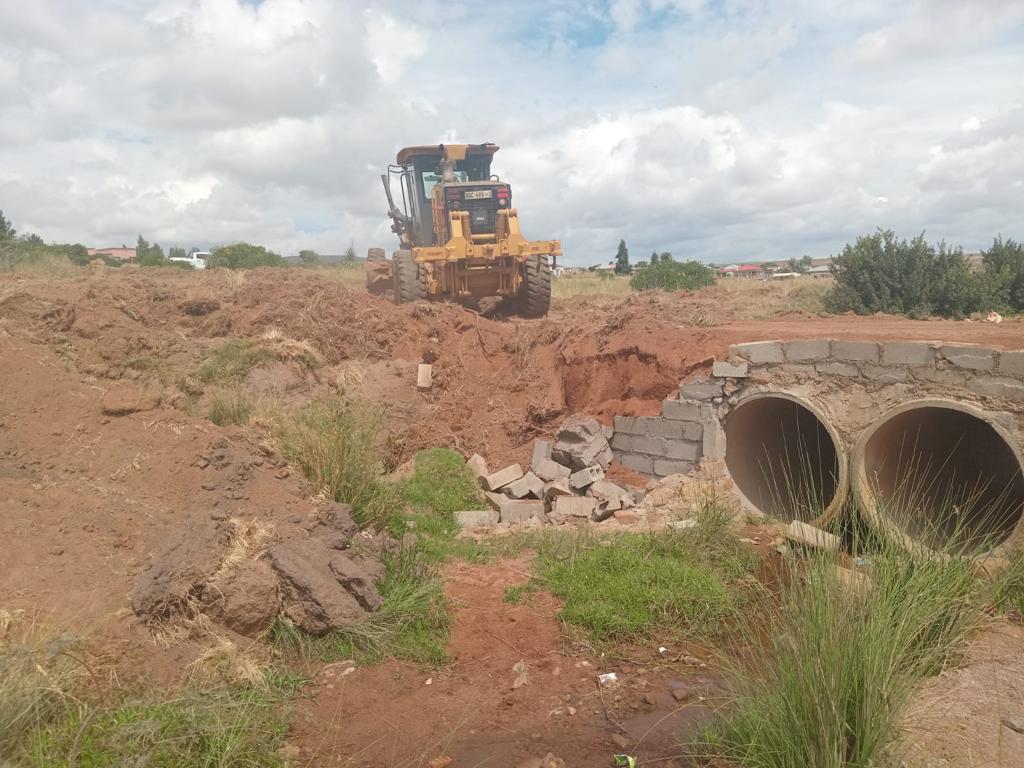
883,273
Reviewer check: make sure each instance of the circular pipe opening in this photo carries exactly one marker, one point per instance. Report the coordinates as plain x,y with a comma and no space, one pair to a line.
784,459
941,476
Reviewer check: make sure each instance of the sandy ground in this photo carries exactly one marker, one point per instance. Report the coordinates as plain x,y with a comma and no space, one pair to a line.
86,496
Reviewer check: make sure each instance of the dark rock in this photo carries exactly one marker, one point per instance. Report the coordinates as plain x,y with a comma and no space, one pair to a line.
357,579
173,583
245,598
200,307
313,597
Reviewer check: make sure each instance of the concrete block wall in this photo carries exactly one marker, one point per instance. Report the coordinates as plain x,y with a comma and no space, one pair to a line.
883,373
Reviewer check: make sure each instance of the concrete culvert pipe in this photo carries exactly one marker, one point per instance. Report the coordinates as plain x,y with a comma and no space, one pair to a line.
784,459
940,475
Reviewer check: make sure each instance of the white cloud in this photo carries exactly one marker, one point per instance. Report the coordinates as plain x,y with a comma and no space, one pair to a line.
717,130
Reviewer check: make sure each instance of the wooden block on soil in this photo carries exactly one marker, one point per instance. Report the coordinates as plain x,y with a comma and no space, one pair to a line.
424,376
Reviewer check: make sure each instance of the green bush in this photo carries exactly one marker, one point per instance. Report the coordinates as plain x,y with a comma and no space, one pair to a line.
1002,283
881,273
672,276
243,256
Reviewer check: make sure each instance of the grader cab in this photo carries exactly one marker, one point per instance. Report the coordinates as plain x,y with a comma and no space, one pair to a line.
459,235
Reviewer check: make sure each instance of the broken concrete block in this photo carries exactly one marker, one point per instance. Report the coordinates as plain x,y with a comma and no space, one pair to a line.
810,351
557,488
527,485
713,443
478,465
1010,364
520,510
424,376
495,499
627,517
632,425
550,470
502,477
700,389
801,533
856,351
908,353
759,352
477,518
724,370
606,490
541,452
681,410
665,467
581,443
585,477
568,507
637,462
970,357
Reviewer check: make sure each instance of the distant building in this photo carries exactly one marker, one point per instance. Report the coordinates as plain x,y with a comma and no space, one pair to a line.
748,271
121,254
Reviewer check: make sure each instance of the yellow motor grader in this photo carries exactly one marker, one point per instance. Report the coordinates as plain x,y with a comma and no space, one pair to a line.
459,234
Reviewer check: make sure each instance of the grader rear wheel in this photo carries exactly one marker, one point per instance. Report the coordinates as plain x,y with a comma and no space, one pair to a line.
410,278
378,271
536,286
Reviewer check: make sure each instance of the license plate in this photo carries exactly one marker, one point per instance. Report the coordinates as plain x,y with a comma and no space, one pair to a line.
480,194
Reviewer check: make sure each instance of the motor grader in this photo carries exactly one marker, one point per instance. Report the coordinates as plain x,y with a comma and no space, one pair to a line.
459,235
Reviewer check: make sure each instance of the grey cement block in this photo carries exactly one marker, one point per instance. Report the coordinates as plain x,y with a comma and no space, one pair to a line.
1011,364
856,351
713,443
495,499
681,410
585,477
837,369
527,485
622,442
884,374
692,431
726,370
908,353
942,376
682,450
502,477
478,466
631,425
700,390
969,357
992,386
809,351
666,467
637,462
477,518
666,428
541,452
567,507
759,352
653,446
550,470
557,488
520,510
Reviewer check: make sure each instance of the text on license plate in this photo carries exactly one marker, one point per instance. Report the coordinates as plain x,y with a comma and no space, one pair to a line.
478,194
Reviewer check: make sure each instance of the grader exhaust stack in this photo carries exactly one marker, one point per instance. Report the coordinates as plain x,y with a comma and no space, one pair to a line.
459,235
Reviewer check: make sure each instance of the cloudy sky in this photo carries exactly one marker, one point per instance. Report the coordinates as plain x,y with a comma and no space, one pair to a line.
718,129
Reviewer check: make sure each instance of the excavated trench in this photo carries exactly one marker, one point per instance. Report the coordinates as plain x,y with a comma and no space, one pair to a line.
784,459
942,476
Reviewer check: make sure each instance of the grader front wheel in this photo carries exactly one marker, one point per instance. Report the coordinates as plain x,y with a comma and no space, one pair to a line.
536,286
410,278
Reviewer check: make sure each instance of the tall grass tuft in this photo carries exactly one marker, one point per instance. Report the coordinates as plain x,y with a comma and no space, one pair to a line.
830,667
334,444
231,410
37,674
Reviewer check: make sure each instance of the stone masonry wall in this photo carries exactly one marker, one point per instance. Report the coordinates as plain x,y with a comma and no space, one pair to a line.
851,381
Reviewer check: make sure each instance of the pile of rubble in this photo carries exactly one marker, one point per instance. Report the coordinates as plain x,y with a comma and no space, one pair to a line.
565,482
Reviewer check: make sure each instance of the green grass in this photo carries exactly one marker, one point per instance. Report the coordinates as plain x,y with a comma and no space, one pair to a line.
412,623
334,443
232,361
1009,589
591,284
236,727
231,410
829,670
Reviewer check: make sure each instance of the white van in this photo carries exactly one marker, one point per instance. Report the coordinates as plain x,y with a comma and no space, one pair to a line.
197,259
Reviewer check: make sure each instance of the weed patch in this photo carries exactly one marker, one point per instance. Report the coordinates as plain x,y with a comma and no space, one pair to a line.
232,361
231,410
1009,585
333,443
831,668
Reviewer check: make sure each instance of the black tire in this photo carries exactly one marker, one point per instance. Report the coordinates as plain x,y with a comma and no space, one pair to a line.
376,254
410,278
536,286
